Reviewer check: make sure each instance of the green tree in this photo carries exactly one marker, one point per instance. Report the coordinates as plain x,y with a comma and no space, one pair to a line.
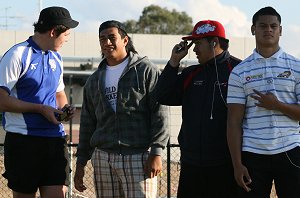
131,26
157,20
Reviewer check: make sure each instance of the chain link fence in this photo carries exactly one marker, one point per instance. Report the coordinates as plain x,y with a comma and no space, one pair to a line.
167,181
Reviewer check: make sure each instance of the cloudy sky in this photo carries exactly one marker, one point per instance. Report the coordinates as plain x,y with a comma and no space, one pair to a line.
235,15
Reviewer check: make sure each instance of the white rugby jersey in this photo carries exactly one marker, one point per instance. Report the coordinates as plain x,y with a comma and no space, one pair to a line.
29,74
267,131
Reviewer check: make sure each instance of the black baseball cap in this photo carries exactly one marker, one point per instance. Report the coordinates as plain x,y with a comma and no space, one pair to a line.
57,16
110,24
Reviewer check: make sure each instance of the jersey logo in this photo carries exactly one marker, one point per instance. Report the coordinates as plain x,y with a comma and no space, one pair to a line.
285,74
254,77
52,64
33,66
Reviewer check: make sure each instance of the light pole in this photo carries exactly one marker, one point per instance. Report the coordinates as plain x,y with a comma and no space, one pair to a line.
6,25
6,16
40,5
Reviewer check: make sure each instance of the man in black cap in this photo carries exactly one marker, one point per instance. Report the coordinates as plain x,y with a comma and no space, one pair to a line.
121,122
32,98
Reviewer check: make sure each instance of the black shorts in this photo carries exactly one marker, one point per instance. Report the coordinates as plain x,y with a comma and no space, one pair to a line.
282,168
31,162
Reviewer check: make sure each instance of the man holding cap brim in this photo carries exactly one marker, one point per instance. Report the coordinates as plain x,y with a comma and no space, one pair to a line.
201,90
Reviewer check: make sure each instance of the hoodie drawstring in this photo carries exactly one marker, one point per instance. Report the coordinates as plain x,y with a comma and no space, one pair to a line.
137,78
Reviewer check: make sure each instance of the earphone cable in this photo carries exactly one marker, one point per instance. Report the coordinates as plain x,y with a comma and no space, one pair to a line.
217,75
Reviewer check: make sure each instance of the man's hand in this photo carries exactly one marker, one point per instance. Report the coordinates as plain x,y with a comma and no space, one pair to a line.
268,101
153,166
242,177
68,113
179,51
49,113
78,178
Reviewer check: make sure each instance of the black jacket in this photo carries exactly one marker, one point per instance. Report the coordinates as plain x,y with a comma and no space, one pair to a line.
202,136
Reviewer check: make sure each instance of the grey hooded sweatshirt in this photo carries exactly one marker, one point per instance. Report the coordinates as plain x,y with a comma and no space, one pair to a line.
139,122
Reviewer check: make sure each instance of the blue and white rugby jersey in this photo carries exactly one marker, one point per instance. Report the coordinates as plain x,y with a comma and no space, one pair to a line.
29,74
266,131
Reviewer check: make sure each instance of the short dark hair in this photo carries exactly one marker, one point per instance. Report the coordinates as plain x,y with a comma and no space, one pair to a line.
265,11
41,28
122,31
224,43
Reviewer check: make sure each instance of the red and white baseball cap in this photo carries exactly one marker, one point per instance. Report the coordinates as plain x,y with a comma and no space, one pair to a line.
207,28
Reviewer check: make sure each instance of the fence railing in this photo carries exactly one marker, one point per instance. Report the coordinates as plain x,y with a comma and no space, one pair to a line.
167,181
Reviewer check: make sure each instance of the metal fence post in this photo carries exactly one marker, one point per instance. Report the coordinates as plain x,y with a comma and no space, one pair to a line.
168,170
70,194
70,102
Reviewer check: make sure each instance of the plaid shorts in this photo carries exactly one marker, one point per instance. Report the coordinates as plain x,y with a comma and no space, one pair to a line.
122,176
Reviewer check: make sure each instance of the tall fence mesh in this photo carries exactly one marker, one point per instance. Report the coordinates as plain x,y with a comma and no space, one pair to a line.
165,187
